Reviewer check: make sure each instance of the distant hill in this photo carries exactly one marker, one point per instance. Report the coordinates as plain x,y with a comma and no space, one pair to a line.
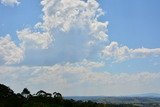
152,95
142,100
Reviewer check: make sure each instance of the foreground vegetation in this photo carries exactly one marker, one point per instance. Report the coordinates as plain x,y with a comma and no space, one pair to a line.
43,99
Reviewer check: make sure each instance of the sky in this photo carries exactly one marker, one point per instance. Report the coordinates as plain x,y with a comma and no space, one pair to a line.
80,47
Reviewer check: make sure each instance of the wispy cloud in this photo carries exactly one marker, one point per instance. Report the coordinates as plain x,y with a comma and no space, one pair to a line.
70,78
10,2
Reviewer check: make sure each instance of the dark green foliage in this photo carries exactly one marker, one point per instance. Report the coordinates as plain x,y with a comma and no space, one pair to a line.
43,99
26,93
5,91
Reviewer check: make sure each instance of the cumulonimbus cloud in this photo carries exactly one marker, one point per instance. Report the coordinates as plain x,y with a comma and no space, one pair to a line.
10,2
64,15
122,53
75,19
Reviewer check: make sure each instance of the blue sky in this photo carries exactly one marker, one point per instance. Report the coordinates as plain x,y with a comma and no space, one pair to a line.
72,45
133,22
136,24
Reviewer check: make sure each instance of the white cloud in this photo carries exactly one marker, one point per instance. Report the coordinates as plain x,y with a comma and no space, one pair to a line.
65,15
75,20
31,39
9,52
10,2
79,79
74,27
122,53
70,26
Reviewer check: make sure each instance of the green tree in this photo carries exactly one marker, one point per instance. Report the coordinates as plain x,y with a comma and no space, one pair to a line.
26,93
5,91
41,93
57,95
58,98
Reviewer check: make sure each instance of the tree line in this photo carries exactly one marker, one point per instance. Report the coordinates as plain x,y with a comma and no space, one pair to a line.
43,99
